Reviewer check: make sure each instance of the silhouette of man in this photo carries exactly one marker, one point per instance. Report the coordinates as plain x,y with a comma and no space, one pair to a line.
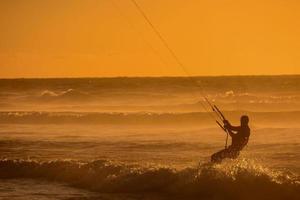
240,136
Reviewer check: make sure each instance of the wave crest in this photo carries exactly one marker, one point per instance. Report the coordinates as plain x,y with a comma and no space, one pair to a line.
231,180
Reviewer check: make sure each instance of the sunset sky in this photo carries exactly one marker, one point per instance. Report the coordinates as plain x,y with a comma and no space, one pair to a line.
94,38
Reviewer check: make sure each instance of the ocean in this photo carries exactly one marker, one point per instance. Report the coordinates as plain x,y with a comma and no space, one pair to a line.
147,138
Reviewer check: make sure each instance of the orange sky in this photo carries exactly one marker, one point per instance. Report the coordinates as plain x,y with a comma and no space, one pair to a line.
72,38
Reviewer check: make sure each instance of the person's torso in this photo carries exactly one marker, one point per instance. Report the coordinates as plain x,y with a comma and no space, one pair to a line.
240,139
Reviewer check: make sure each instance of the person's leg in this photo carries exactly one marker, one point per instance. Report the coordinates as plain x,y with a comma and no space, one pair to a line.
234,154
219,156
230,152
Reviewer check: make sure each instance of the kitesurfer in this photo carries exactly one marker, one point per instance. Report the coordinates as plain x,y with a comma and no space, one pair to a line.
240,136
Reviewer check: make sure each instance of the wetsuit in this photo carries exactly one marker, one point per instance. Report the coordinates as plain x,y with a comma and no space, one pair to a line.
240,136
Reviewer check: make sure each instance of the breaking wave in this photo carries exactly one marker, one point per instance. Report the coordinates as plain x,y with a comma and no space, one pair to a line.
240,179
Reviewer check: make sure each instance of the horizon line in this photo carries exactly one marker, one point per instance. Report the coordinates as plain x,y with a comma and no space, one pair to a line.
169,76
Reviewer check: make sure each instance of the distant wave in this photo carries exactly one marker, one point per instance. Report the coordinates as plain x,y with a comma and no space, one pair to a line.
255,98
101,118
220,83
72,95
199,118
240,179
234,89
67,95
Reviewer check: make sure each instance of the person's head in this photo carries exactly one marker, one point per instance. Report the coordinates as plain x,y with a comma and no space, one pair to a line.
244,120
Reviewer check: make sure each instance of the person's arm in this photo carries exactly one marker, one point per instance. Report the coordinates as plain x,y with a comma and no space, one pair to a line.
229,127
230,133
